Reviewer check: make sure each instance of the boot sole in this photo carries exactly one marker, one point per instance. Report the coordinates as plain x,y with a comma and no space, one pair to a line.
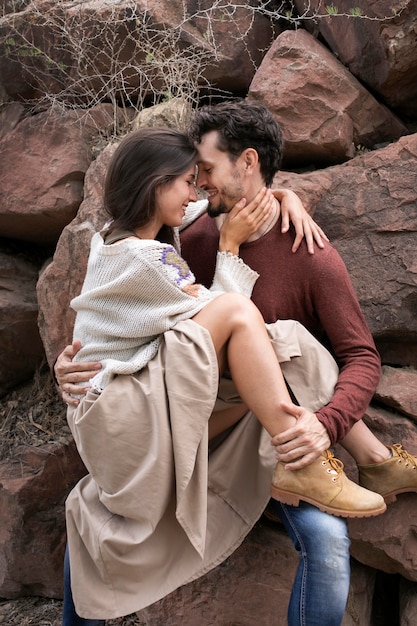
392,497
293,499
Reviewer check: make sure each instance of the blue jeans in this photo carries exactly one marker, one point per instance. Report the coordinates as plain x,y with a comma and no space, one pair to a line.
321,585
69,614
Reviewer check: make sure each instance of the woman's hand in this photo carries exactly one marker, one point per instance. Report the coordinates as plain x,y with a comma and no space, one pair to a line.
292,210
245,219
70,376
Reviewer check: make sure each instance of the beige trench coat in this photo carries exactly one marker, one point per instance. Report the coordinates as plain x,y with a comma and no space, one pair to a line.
156,510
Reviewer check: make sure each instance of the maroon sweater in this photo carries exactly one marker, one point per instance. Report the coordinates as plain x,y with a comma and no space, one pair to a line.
312,289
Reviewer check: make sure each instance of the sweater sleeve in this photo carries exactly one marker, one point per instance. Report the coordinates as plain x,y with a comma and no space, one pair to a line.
352,344
232,274
193,211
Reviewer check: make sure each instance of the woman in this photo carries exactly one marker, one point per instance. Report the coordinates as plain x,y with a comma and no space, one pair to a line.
146,518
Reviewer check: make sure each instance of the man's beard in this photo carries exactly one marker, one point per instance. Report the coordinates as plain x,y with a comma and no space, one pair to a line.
230,193
232,198
218,210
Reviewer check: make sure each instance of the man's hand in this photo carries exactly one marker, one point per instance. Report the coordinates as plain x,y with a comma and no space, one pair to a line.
69,375
292,209
303,443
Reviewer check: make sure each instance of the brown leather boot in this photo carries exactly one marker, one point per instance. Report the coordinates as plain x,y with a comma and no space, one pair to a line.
324,484
393,476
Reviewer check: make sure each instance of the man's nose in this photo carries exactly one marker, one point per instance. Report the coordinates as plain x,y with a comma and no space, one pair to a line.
201,181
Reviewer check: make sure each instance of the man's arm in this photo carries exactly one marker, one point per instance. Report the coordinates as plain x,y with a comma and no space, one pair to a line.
330,295
353,348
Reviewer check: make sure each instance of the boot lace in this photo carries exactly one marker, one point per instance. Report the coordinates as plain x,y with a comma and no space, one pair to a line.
336,465
403,455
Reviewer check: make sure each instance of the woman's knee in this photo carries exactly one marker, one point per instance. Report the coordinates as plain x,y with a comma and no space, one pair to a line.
238,306
227,314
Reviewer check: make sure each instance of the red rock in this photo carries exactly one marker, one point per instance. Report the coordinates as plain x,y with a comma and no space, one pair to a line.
34,485
43,162
324,111
398,389
21,348
227,41
380,52
387,542
253,586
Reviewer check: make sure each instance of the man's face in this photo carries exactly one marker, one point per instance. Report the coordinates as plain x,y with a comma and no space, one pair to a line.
218,175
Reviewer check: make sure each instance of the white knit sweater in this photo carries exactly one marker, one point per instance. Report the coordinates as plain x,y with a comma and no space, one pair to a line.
134,291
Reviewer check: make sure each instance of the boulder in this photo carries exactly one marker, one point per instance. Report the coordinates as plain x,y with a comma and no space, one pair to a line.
387,542
56,318
34,485
236,592
21,348
174,113
130,49
324,111
43,161
398,389
379,48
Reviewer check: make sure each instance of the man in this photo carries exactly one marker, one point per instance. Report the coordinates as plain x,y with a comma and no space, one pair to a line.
240,148
312,289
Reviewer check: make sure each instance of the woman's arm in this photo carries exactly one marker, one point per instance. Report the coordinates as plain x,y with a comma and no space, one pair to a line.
245,219
292,210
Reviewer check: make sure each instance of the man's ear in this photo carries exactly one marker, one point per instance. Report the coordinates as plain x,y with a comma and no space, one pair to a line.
250,159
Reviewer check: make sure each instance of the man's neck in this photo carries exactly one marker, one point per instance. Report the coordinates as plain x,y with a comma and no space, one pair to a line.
263,230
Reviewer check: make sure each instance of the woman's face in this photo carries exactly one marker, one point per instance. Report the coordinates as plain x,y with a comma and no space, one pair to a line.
173,199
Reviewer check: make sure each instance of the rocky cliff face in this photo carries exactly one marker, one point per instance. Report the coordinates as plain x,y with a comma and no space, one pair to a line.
344,90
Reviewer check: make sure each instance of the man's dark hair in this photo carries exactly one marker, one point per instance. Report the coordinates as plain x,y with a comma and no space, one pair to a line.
240,125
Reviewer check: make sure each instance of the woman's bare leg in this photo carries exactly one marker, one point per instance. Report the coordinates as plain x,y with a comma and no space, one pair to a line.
242,343
363,446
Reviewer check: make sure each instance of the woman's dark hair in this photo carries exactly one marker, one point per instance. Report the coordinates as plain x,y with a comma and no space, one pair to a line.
241,124
144,160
